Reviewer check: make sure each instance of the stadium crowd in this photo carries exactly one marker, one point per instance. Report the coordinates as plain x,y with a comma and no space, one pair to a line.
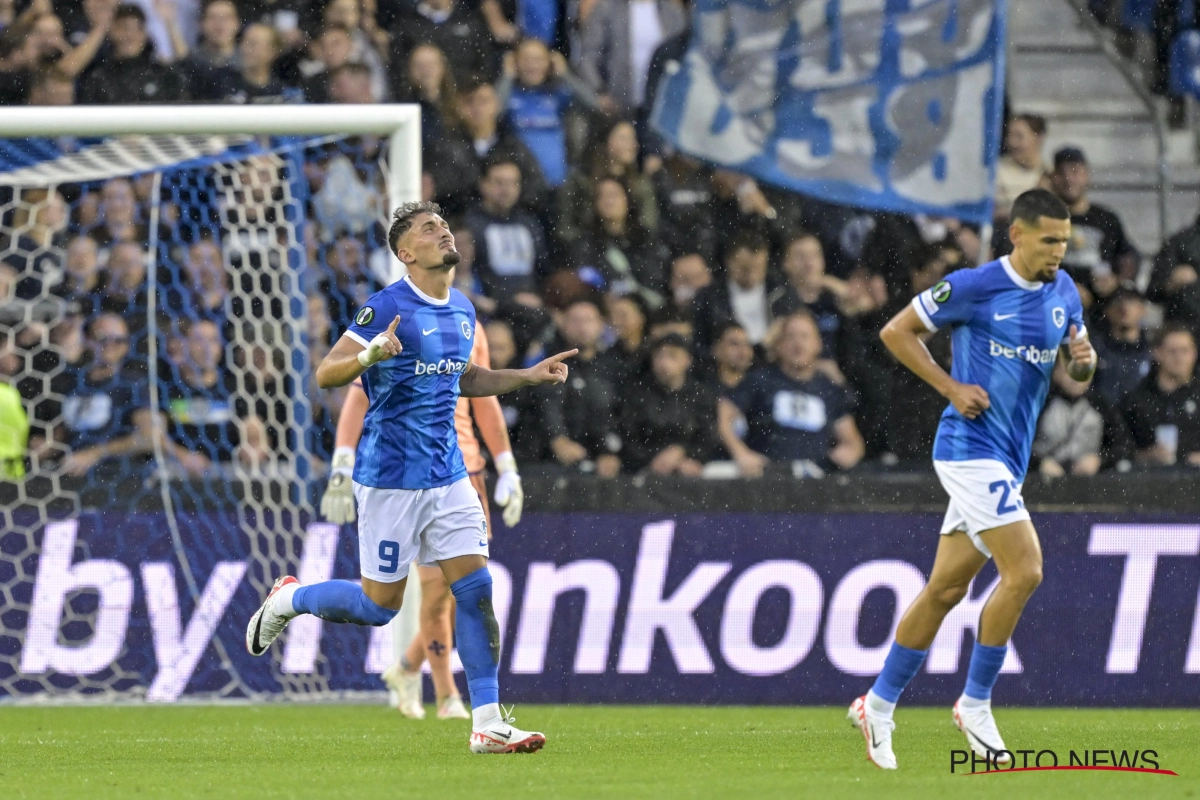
724,327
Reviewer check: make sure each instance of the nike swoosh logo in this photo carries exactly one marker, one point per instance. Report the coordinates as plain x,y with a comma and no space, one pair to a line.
498,735
257,629
431,330
482,543
1002,317
871,728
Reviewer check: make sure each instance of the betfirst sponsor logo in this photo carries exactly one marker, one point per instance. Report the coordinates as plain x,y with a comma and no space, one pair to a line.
1033,355
444,367
621,617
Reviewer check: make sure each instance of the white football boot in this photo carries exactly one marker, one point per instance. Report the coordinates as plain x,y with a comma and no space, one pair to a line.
267,623
876,730
979,726
407,686
452,707
503,737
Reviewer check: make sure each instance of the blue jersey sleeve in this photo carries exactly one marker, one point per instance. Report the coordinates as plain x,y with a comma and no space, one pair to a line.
372,319
949,302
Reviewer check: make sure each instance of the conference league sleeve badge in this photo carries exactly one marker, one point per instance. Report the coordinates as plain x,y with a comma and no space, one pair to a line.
364,316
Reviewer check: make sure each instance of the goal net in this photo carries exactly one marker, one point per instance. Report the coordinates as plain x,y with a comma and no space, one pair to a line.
169,277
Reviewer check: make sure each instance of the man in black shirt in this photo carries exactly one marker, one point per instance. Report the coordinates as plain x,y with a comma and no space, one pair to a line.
132,75
511,256
1174,282
457,28
1122,351
668,419
580,420
1098,251
792,412
1164,411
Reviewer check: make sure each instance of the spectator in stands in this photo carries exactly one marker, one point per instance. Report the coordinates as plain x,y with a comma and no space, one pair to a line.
537,90
808,287
683,189
431,84
105,413
84,280
132,75
741,297
216,51
39,223
792,411
511,252
1022,167
740,204
457,28
1174,282
732,357
667,417
689,274
626,357
254,80
330,50
617,41
1070,430
50,88
619,253
208,283
1164,411
111,215
208,422
520,408
1122,349
1098,255
1079,431
614,154
580,421
350,83
346,281
125,290
366,41
490,139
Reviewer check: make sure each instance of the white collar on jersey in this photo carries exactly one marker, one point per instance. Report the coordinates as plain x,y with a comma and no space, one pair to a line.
424,296
1017,279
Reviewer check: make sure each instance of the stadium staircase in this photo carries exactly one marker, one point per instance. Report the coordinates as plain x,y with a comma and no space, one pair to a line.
1062,65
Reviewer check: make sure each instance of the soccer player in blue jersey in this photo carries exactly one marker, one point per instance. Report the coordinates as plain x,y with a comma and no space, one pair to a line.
1010,319
411,343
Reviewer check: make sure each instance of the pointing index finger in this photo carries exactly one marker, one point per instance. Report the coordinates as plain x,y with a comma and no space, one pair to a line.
392,328
558,358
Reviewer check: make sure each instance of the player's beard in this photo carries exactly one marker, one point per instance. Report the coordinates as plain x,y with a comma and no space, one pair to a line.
449,261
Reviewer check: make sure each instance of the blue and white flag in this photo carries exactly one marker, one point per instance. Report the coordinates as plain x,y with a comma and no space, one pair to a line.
887,104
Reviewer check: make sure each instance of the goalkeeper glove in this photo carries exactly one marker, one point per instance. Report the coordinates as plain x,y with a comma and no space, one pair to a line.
337,504
509,493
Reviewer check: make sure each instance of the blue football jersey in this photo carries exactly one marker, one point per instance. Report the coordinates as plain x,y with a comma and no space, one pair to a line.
1006,335
408,439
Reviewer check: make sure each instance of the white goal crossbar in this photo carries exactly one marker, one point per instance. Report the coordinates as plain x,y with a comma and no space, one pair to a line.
400,122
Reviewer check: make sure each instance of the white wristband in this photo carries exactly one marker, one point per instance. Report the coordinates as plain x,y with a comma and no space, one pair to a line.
343,461
364,358
505,462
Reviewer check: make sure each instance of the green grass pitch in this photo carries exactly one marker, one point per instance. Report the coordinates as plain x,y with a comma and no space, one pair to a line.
659,752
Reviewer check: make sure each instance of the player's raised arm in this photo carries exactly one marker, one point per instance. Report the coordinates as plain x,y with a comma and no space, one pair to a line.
480,382
348,359
902,337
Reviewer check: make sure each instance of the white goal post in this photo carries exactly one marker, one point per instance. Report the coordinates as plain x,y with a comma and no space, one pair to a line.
400,123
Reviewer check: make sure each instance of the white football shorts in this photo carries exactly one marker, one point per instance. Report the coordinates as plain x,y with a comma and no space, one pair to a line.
983,495
398,526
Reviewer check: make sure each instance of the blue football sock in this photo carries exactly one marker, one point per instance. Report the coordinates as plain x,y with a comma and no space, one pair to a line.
984,670
900,667
478,636
340,601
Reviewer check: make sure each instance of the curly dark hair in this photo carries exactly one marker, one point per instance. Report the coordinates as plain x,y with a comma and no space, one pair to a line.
402,220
